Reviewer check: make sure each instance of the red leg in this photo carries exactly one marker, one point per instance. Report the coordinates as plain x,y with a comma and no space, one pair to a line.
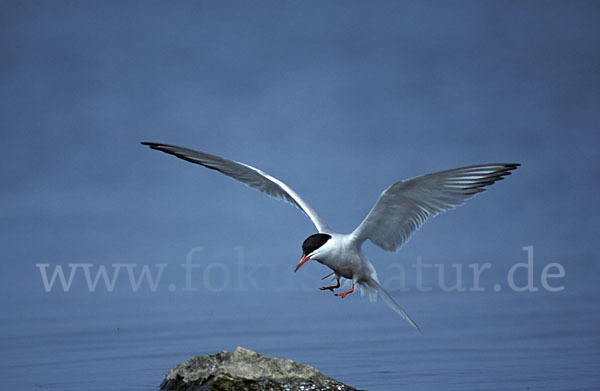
343,294
332,287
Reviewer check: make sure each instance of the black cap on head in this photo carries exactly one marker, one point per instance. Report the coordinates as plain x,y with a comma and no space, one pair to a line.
313,242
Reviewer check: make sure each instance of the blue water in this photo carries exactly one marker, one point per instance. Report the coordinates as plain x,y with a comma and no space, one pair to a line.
338,99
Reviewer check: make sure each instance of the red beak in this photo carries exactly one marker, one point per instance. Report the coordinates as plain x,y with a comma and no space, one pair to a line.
302,262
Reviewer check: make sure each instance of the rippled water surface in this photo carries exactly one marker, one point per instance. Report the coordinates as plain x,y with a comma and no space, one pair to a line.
472,341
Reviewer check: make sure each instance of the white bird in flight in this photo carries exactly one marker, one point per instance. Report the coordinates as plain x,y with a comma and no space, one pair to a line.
400,210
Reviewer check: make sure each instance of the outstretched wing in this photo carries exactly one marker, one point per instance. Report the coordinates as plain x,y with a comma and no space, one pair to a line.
405,206
246,174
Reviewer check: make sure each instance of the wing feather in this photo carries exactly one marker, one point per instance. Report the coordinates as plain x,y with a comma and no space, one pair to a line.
248,175
405,206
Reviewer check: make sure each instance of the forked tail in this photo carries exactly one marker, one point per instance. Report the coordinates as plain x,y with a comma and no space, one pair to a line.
393,305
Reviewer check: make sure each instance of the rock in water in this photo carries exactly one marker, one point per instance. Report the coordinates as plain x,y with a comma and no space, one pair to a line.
246,370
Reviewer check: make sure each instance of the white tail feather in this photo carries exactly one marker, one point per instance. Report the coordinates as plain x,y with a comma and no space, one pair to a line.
393,305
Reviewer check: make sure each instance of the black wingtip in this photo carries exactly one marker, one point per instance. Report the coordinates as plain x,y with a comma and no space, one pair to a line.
155,146
512,166
508,167
149,144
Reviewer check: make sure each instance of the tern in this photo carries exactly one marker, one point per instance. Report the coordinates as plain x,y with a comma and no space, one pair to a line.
400,210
